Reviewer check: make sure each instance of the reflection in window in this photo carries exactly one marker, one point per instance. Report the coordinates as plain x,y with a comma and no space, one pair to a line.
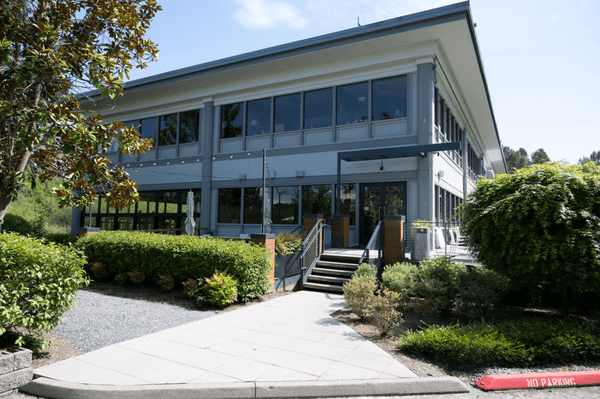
125,223
147,203
285,205
389,98
232,119
253,205
352,103
230,204
167,135
148,129
107,223
287,113
189,126
259,117
167,202
317,200
168,223
318,108
394,200
348,202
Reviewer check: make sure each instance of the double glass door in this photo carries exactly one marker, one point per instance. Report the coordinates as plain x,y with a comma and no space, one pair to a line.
376,201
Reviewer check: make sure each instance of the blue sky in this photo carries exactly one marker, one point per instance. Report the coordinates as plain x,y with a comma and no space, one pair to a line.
541,57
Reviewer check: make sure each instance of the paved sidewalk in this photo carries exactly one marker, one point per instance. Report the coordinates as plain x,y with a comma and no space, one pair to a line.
291,340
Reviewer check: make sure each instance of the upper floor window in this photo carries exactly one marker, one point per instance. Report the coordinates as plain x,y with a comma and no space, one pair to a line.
389,98
287,113
232,119
167,135
318,108
189,126
259,117
352,104
148,129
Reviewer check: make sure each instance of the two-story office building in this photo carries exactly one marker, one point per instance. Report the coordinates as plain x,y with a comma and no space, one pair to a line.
390,90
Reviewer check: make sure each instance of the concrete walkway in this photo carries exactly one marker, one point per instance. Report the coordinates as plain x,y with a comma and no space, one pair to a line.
289,346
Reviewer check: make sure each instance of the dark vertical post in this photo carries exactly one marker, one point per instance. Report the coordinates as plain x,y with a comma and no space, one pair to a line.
338,190
264,197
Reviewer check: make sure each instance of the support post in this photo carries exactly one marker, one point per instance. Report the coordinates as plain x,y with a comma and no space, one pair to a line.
268,241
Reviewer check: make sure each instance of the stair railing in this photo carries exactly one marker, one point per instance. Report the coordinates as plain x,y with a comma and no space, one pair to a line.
312,248
375,246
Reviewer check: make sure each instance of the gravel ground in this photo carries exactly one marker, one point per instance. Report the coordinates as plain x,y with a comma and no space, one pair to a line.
100,320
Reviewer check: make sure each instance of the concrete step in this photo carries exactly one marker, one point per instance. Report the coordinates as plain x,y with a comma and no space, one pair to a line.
333,272
324,287
337,265
341,259
327,279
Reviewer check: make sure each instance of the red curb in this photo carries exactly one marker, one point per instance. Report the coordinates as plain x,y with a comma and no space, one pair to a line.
539,380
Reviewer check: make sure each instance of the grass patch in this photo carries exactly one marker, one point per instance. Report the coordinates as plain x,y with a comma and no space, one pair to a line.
527,342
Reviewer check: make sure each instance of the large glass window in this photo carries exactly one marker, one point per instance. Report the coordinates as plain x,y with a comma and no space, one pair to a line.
389,98
148,129
285,205
147,203
259,117
317,200
318,108
232,119
348,202
352,104
287,113
168,202
253,205
167,134
230,205
189,126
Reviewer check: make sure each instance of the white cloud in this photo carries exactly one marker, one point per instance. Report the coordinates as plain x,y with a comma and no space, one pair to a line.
557,16
264,14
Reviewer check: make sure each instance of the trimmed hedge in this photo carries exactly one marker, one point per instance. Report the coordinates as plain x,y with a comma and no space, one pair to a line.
181,257
38,283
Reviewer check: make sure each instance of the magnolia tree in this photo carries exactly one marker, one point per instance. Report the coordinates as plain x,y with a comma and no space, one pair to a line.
539,226
51,53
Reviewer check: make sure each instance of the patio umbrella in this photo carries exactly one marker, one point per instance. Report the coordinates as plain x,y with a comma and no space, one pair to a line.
190,224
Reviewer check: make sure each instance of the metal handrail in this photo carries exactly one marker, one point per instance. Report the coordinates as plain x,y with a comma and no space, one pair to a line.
374,237
312,247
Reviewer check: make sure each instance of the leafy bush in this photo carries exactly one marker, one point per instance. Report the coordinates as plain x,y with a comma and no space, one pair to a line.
479,290
121,278
438,283
539,226
288,243
38,283
520,343
189,287
221,289
136,277
383,309
359,291
98,270
400,278
17,224
181,257
165,282
61,238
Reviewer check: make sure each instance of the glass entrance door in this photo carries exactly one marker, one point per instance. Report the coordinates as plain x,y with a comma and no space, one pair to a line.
377,200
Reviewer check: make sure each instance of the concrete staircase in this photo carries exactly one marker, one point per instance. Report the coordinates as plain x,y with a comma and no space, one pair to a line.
331,272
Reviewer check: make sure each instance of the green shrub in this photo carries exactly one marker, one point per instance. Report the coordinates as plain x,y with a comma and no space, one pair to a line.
137,277
479,291
165,282
221,289
288,243
121,278
539,226
383,309
181,257
438,283
38,283
400,278
189,287
17,224
61,238
521,343
359,291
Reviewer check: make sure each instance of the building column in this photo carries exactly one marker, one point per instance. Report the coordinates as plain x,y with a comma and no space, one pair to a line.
465,163
207,150
425,109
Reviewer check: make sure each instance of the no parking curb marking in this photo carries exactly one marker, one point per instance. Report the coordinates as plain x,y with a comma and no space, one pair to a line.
539,380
